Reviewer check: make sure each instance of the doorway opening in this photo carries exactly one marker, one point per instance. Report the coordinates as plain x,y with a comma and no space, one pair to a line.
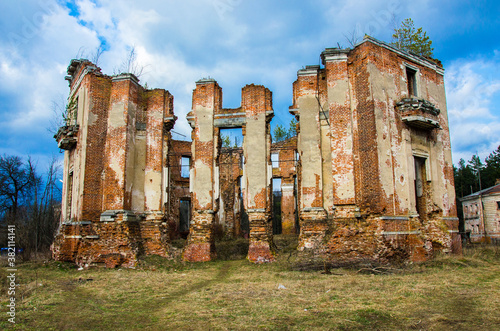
420,186
184,217
276,203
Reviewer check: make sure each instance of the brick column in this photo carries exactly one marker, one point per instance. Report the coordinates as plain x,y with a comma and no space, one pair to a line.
256,102
207,99
335,61
307,101
157,135
120,143
159,121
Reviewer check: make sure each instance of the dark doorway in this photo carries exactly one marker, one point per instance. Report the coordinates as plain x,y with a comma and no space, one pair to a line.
411,82
184,216
244,224
420,186
296,200
277,228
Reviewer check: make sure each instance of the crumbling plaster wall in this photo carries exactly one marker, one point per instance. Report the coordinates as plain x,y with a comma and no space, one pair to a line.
342,137
256,102
120,145
256,106
372,155
207,99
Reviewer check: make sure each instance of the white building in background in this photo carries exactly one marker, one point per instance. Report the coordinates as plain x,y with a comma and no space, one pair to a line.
482,214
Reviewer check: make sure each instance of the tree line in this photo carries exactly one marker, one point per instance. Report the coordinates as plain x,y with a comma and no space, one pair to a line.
31,201
475,175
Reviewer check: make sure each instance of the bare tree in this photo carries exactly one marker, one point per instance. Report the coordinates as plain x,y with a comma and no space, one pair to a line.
130,65
30,202
96,55
93,56
16,181
395,27
81,53
58,117
353,36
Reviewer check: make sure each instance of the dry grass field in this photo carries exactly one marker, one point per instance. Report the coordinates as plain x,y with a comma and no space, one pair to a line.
448,293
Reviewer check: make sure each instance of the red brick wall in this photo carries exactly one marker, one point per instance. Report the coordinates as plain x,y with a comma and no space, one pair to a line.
179,186
116,194
99,93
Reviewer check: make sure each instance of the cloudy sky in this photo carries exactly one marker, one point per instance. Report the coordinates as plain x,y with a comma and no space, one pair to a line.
237,42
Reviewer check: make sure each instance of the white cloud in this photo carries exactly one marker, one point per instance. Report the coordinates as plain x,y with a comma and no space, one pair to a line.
35,71
237,42
473,93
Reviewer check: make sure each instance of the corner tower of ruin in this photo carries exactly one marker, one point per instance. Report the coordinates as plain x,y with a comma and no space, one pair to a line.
115,140
376,169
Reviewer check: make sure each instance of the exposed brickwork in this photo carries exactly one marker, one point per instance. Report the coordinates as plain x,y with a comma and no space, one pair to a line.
287,171
201,244
377,131
99,226
230,171
341,124
178,188
207,99
256,102
228,218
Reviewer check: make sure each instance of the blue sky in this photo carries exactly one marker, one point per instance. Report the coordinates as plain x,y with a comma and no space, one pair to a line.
237,42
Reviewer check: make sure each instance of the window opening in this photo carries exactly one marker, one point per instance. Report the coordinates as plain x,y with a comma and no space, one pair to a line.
275,160
420,178
411,81
70,195
185,165
277,227
231,138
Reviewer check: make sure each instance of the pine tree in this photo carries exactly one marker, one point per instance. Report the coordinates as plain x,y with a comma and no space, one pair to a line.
292,130
407,38
279,133
226,141
492,170
477,167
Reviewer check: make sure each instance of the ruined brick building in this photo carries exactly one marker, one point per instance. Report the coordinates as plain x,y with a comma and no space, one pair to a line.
369,175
